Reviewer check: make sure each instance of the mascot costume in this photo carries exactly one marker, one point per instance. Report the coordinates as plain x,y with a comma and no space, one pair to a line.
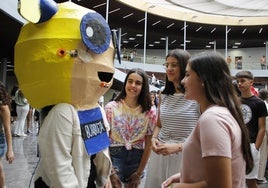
64,63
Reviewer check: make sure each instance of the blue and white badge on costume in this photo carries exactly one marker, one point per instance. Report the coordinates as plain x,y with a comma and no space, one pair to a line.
93,130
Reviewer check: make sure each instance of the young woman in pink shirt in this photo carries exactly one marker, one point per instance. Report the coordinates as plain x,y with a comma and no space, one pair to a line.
217,153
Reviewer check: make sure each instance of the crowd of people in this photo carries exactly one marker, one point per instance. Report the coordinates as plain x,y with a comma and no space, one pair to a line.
199,131
239,64
207,133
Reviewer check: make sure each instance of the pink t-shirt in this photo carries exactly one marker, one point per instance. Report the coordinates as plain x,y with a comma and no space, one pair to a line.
216,134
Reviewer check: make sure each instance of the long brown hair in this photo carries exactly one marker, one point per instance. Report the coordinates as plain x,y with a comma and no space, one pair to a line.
144,98
182,57
214,72
5,98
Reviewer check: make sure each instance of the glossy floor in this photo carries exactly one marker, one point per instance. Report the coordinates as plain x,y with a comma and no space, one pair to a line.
20,173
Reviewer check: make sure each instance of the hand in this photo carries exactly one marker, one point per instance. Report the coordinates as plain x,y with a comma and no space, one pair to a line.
134,180
172,179
166,149
10,156
108,184
116,183
155,144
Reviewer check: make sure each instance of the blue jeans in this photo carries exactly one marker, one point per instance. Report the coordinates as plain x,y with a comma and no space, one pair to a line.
2,144
125,162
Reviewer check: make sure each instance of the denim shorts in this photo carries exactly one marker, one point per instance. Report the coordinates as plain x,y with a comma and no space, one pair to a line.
125,162
2,144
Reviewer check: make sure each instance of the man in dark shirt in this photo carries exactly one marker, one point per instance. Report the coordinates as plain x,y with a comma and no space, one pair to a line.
254,113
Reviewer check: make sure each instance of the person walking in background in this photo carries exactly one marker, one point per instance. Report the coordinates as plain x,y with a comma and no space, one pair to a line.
239,64
176,119
263,62
153,79
101,101
113,96
132,121
217,152
13,110
229,61
254,91
22,108
254,114
154,100
30,120
131,55
5,132
263,94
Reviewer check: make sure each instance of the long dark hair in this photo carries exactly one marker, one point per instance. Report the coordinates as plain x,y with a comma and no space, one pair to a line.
144,98
212,69
4,96
182,57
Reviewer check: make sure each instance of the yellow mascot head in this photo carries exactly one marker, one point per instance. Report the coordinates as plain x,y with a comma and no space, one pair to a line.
64,54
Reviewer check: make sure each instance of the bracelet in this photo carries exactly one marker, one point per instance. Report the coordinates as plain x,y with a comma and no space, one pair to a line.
137,174
113,172
180,147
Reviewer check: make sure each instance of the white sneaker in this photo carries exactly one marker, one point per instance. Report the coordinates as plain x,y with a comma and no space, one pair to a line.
22,135
29,132
263,181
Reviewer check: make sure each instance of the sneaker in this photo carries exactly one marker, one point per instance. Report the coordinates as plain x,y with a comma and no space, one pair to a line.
15,135
263,181
22,135
29,132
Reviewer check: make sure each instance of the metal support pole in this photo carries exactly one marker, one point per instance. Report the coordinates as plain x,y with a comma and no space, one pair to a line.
166,45
107,10
226,41
145,38
184,36
119,38
3,70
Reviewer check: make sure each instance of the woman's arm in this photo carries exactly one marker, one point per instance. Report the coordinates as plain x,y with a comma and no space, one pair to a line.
146,155
171,180
135,177
163,148
154,140
261,132
168,148
5,116
218,173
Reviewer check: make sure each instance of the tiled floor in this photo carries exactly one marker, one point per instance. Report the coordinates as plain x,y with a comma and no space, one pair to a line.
20,173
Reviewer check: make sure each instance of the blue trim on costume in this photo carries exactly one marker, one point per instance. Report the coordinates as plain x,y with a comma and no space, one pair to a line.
93,130
47,9
95,32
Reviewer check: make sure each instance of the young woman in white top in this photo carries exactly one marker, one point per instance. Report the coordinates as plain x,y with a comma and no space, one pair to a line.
176,119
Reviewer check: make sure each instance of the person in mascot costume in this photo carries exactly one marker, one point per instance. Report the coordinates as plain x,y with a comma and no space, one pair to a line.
64,63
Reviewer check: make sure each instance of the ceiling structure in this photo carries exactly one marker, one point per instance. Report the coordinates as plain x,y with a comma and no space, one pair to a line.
211,11
202,23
